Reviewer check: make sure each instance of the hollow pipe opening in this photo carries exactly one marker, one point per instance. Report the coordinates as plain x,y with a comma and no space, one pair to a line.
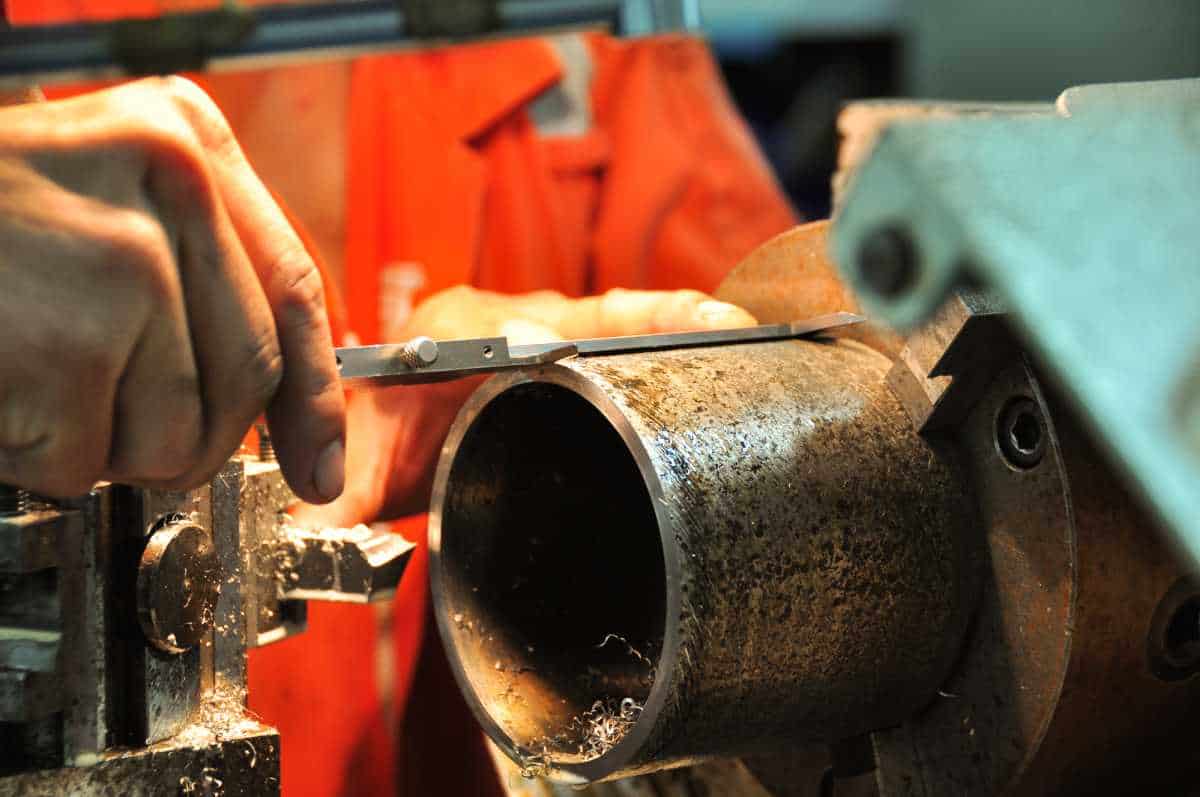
750,544
551,579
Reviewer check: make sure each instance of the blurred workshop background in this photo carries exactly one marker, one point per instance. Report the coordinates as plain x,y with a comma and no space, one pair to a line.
792,63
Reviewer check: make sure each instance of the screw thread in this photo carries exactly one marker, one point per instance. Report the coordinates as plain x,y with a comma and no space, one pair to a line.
419,352
266,448
13,500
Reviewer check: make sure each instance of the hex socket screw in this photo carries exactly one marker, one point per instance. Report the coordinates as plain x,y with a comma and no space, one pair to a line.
1021,433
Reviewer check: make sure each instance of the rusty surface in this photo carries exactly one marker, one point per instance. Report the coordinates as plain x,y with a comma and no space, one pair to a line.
98,692
945,366
791,277
1117,728
990,715
243,763
1054,693
760,525
160,691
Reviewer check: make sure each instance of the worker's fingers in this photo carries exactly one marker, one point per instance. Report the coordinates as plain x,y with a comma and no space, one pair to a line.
307,414
626,312
232,332
158,421
237,285
690,310
394,438
464,312
371,439
60,354
519,331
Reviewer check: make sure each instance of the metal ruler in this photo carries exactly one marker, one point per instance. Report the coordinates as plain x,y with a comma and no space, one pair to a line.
422,360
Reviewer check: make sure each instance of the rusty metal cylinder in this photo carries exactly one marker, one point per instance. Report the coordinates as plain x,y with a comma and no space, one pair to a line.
642,560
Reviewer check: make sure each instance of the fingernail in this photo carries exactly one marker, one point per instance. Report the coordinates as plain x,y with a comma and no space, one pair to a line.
329,475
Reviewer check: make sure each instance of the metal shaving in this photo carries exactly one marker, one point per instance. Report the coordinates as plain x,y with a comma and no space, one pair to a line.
605,724
222,714
629,649
594,732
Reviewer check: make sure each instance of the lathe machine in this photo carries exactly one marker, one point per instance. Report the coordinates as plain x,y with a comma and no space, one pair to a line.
948,550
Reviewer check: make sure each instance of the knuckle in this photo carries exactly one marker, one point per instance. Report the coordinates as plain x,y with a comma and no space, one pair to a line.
176,85
262,372
156,115
84,346
171,130
615,301
25,428
302,294
45,463
201,113
188,95
618,297
135,242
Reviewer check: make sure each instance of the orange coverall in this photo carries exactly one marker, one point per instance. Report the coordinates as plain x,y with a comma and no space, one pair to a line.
449,182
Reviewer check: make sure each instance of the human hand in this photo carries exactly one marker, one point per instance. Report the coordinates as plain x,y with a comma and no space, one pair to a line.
153,301
395,435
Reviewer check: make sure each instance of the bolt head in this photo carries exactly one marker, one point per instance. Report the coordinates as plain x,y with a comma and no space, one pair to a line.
1021,433
887,261
178,580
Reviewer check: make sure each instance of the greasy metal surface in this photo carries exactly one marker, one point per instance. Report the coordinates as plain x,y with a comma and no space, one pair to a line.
28,695
178,580
33,649
1083,218
1117,729
162,690
80,688
355,565
989,717
760,524
34,547
229,638
249,499
795,772
261,496
30,540
241,762
1055,693
1173,641
85,587
945,366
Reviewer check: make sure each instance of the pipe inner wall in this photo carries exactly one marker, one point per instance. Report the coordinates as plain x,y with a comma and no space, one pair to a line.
642,560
